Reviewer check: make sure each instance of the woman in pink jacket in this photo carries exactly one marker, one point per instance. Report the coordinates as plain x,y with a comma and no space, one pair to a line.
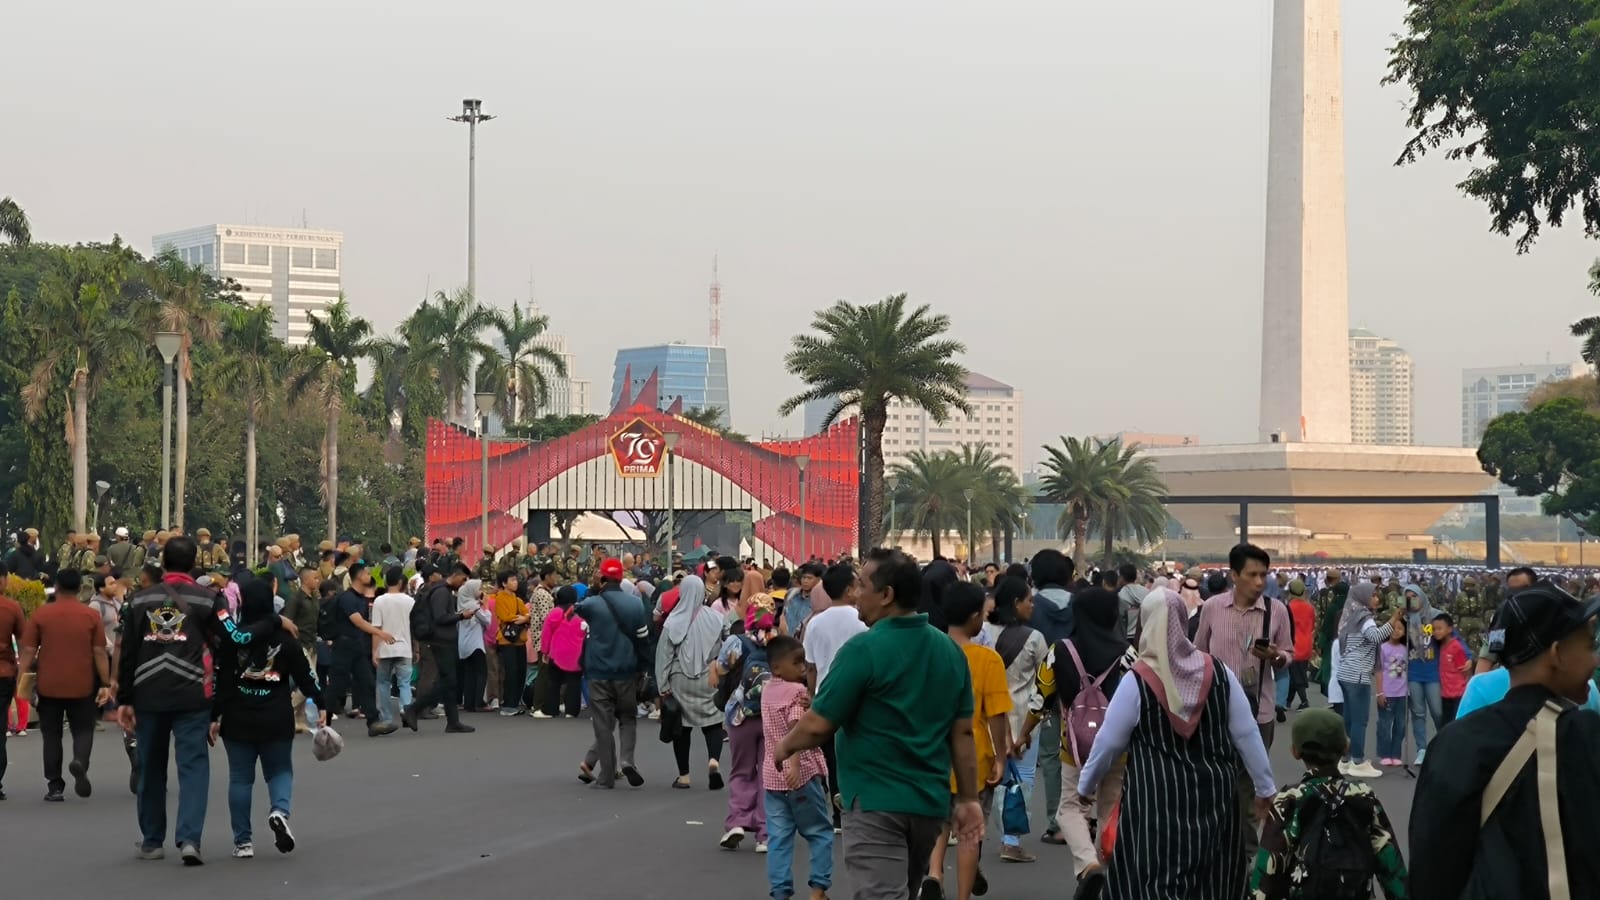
561,642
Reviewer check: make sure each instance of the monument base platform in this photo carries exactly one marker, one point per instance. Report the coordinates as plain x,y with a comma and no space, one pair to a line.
1342,470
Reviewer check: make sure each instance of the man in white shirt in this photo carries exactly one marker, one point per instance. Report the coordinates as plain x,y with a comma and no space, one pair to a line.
391,612
822,635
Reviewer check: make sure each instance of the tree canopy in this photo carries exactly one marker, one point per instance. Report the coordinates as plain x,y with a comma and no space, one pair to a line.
1552,450
1514,88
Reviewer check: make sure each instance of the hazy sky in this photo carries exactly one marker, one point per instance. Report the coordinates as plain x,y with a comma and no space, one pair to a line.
1080,186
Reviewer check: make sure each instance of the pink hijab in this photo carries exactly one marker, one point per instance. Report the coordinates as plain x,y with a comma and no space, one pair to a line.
1174,669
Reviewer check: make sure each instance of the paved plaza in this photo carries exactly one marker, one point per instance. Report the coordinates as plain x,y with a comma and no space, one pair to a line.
499,813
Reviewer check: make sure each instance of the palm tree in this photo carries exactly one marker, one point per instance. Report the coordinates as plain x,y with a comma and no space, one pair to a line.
864,356
1133,507
326,368
186,310
14,223
451,328
999,500
513,375
402,375
81,329
1078,475
928,492
1588,327
258,367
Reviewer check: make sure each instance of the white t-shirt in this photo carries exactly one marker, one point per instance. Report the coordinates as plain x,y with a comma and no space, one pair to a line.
392,613
826,632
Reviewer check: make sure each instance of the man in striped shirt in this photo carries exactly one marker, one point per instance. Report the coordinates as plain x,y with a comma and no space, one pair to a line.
1249,633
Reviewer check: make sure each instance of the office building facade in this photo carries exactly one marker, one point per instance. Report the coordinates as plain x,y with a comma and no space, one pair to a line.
995,422
1381,391
569,394
1492,392
296,271
697,374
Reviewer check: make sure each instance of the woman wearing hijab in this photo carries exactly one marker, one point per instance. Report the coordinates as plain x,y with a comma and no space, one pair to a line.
1097,643
1187,729
1359,639
1422,674
470,646
690,637
253,712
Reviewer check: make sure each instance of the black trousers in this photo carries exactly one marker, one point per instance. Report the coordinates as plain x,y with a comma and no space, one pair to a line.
1299,680
79,714
445,688
8,690
514,671
353,674
564,686
474,678
681,741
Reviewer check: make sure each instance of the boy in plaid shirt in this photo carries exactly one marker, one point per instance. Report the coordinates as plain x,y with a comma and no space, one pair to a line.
797,791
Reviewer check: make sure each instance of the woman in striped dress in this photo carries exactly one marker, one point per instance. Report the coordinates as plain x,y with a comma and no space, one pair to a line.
1187,728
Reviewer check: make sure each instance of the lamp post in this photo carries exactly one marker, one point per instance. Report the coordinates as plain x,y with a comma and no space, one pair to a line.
167,343
672,438
100,488
968,493
485,406
892,483
801,460
472,114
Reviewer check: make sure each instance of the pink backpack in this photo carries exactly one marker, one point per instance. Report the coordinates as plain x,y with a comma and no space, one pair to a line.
1088,710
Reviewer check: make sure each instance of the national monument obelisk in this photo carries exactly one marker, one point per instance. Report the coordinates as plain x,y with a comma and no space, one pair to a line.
1305,321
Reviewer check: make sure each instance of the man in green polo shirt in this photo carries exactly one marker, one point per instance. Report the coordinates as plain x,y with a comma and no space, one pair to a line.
900,698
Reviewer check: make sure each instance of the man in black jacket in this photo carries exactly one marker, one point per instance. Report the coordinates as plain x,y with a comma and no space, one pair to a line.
438,609
161,693
1487,799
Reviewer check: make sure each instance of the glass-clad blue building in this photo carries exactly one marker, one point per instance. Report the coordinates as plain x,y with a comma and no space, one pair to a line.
697,374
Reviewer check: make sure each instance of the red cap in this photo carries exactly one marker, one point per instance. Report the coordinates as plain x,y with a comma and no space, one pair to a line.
611,570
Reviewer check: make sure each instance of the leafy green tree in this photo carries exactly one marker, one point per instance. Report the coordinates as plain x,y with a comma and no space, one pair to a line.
1588,327
928,495
80,330
450,329
711,417
14,223
1132,506
998,500
404,387
260,365
864,356
1103,485
1513,88
512,374
188,309
548,428
326,370
1552,450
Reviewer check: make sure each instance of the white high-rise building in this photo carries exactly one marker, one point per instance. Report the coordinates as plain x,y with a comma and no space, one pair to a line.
569,394
1381,391
1492,392
294,270
996,422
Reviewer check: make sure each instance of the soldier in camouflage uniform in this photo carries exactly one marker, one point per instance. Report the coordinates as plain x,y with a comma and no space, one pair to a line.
67,554
1471,613
1329,604
485,568
568,566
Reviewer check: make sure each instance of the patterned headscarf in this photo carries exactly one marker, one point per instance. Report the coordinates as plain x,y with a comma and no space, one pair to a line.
1357,610
1169,664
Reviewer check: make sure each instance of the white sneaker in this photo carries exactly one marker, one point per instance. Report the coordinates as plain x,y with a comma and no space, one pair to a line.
283,837
493,705
761,846
731,838
244,851
1365,770
1344,767
1420,754
540,714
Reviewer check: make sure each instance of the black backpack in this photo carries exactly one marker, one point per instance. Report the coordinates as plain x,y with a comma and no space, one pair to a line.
422,614
1334,850
328,618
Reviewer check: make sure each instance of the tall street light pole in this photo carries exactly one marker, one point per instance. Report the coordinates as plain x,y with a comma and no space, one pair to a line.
672,438
485,406
971,555
167,345
891,482
472,114
802,460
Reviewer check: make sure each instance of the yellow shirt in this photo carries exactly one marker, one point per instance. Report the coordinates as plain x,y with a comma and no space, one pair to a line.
507,606
990,697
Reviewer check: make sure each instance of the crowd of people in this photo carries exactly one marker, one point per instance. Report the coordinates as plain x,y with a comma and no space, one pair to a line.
900,707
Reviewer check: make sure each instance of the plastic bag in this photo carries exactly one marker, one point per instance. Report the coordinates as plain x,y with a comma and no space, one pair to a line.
1014,807
327,744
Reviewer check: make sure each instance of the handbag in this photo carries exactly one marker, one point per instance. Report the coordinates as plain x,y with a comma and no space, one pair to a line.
671,718
1014,807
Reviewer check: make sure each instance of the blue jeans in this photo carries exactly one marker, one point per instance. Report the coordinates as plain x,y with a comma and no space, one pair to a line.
277,769
389,668
157,733
1425,701
1026,766
1283,679
1391,728
808,813
1357,706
